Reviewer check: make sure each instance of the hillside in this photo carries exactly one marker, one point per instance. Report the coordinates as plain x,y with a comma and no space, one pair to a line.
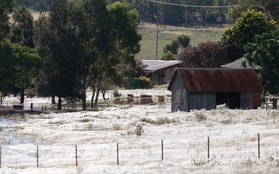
168,33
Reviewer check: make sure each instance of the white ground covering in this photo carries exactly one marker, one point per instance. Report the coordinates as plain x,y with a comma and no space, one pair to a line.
233,141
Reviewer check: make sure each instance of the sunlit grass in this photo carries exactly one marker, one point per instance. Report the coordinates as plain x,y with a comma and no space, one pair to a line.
168,33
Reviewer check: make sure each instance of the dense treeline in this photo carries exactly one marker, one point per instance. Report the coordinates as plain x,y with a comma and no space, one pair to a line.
222,11
78,45
166,14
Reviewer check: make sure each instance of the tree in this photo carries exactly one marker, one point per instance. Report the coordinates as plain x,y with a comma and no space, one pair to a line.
57,41
5,9
264,54
121,51
42,37
95,41
207,54
250,24
19,65
28,63
7,68
242,6
22,27
170,50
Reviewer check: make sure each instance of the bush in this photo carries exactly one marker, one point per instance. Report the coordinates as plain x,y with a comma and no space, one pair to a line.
145,82
207,54
116,93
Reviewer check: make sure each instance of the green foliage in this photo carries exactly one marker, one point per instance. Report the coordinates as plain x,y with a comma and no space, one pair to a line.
116,93
172,47
170,50
22,27
250,24
37,5
56,39
183,41
207,54
242,6
5,8
168,56
27,66
264,54
272,7
7,67
145,82
19,65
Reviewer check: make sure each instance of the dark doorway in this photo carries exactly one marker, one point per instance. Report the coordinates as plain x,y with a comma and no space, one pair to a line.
232,100
221,98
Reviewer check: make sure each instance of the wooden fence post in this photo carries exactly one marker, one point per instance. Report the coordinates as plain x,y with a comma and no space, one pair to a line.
117,153
162,148
76,156
259,150
207,147
37,156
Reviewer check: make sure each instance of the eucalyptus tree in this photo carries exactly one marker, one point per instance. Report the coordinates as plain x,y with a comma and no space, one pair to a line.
264,55
5,9
58,41
107,39
28,63
22,27
7,68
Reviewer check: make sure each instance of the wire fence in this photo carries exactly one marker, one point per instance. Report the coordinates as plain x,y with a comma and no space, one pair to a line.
198,151
121,102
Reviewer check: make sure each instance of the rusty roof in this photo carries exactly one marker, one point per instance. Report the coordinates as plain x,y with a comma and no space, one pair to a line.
218,80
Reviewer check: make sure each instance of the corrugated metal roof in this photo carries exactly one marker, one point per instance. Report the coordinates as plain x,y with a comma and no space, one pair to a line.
156,65
218,80
238,63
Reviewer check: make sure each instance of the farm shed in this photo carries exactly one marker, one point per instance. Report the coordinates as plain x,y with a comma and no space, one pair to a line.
157,69
205,88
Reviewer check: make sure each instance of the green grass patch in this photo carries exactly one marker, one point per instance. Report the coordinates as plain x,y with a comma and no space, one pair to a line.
168,33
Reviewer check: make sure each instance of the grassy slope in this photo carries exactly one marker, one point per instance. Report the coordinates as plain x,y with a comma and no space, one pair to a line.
168,33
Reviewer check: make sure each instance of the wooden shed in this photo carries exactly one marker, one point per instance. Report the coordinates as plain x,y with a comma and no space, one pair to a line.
205,88
157,69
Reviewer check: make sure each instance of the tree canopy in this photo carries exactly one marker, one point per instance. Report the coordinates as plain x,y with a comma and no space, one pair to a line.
206,54
170,50
263,54
250,24
5,8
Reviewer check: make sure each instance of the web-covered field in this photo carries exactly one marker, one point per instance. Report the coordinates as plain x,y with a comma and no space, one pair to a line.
139,131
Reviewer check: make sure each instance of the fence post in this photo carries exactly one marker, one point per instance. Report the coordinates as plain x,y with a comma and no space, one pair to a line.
259,150
37,156
117,152
207,147
162,146
76,156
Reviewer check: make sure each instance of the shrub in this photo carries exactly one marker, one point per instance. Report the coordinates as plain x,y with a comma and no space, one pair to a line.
116,93
145,81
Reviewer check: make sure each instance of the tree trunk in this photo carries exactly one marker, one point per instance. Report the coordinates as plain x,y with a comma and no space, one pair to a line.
83,101
22,96
1,99
59,106
92,97
96,99
84,94
104,94
53,99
